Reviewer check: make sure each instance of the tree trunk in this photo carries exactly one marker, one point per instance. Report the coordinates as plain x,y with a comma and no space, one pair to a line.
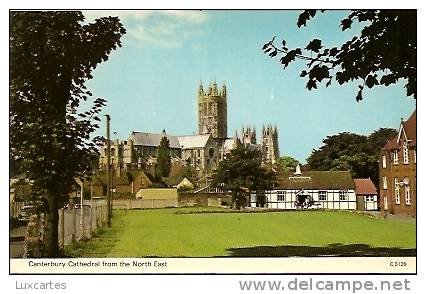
51,224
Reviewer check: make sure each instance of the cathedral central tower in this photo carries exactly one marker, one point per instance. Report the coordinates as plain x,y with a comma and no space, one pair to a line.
212,111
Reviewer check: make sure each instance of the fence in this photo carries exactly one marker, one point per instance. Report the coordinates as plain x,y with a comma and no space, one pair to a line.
184,199
15,209
143,203
74,224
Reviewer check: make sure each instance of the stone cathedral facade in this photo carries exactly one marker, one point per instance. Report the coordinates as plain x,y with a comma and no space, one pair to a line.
203,151
212,111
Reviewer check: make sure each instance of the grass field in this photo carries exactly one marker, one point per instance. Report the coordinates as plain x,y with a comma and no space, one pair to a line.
173,232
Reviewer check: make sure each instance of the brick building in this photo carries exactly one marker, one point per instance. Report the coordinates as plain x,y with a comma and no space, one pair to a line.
397,171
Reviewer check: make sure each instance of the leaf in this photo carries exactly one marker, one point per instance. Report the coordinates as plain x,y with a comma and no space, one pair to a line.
346,24
290,56
314,45
266,46
273,53
311,84
371,81
319,72
303,17
333,51
359,96
303,73
388,79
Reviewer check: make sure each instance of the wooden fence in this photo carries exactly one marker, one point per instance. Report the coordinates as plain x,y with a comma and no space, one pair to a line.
15,209
74,225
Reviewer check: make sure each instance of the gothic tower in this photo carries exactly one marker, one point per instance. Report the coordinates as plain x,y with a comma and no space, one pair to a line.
248,136
270,152
212,111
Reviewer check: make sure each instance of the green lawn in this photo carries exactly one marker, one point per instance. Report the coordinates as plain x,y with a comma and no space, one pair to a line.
165,233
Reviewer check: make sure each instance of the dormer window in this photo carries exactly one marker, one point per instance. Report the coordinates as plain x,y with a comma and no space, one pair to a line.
395,157
384,161
405,153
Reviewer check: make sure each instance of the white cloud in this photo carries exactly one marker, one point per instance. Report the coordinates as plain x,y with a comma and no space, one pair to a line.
187,15
165,28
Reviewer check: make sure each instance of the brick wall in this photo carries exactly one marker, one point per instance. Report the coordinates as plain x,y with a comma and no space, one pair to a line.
398,171
202,199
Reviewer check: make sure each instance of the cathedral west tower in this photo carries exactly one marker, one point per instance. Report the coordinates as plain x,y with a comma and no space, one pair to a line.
212,111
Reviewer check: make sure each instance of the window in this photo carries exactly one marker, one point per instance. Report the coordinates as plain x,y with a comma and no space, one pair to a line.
397,198
369,198
343,195
281,198
395,157
385,182
405,153
385,202
322,195
407,195
384,161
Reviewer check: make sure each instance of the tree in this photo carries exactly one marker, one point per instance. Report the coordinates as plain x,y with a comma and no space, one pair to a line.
348,151
52,55
287,163
384,52
129,176
240,172
379,138
164,162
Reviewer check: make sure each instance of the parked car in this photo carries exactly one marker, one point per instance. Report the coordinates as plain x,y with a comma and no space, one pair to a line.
26,212
69,206
77,206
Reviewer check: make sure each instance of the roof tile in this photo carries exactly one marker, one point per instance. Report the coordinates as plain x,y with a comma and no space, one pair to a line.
365,187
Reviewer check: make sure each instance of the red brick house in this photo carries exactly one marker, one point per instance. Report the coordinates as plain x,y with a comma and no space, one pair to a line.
119,185
397,170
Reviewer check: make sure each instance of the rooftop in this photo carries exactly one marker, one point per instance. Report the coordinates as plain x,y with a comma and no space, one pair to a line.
152,139
316,180
365,187
193,141
407,131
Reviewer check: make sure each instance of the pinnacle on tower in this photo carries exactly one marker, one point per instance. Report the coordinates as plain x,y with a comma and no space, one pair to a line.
200,88
223,92
215,92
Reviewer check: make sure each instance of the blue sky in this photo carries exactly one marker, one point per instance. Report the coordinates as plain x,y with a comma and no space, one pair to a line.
151,82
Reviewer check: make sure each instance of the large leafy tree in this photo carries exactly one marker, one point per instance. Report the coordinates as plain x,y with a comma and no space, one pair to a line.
52,55
348,151
384,52
164,162
287,163
241,172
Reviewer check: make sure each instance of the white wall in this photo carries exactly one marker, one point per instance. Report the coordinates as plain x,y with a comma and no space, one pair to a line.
332,201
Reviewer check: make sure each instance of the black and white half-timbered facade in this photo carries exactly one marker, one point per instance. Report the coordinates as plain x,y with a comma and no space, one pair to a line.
312,189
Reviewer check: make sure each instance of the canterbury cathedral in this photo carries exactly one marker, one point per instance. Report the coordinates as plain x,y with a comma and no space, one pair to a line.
203,151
